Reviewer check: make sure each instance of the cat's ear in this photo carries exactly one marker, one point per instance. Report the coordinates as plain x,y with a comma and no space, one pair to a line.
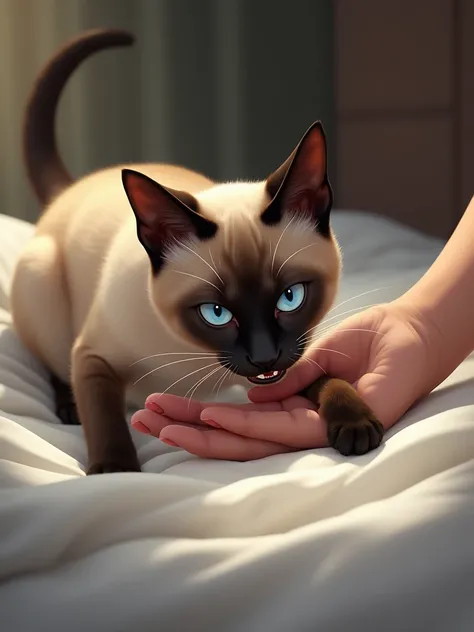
164,216
300,185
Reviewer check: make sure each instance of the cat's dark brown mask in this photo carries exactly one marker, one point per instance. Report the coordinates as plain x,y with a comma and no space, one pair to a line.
244,269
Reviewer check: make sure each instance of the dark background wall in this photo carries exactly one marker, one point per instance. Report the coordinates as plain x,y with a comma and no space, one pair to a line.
226,87
405,103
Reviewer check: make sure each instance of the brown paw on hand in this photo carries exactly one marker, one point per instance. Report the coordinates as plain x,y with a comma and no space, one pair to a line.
356,436
352,427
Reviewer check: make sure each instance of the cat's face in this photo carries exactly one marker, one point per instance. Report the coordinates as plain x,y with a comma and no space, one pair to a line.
244,269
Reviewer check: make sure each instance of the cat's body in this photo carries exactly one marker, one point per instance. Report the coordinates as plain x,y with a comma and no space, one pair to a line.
198,278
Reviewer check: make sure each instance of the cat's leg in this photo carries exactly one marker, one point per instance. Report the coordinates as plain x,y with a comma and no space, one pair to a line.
352,426
100,397
40,304
66,408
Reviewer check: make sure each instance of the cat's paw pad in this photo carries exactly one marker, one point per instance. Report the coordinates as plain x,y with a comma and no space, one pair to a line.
355,435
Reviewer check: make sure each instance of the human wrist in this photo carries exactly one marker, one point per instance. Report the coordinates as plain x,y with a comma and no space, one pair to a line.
444,297
448,339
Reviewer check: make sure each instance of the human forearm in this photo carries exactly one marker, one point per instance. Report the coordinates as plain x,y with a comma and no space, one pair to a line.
444,296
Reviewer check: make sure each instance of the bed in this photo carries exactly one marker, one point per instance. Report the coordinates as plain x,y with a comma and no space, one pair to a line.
297,542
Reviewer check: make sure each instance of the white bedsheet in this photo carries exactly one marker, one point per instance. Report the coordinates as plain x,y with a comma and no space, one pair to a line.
302,542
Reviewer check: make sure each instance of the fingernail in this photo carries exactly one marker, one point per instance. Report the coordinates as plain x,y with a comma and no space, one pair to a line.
169,442
212,423
141,427
154,407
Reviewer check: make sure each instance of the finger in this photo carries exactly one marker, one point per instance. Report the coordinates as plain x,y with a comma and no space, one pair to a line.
298,428
148,422
219,444
183,409
290,403
175,407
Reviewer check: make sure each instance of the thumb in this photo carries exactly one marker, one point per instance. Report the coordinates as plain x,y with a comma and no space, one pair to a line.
381,398
305,371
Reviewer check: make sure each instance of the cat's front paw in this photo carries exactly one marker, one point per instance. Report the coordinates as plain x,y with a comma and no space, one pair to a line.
114,463
355,434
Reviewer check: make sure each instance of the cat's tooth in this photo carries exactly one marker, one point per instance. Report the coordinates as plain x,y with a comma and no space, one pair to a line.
267,376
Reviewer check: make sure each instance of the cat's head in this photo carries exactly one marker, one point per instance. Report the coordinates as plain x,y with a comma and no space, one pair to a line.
243,269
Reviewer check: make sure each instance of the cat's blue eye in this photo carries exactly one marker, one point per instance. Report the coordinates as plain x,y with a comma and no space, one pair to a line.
215,314
292,298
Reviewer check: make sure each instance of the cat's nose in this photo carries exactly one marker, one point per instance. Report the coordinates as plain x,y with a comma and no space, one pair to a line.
265,363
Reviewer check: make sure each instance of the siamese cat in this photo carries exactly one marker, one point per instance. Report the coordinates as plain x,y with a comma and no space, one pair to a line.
152,277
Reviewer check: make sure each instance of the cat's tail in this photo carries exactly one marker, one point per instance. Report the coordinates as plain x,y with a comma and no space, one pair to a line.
44,166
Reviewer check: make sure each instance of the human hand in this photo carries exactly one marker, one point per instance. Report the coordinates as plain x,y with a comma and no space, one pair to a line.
388,353
246,432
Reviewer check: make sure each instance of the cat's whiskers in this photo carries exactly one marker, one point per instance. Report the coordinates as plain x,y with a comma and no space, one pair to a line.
294,255
311,361
194,276
311,339
279,240
333,326
349,311
203,368
190,353
302,356
233,371
226,365
199,382
353,298
331,351
214,263
372,331
328,320
221,380
163,366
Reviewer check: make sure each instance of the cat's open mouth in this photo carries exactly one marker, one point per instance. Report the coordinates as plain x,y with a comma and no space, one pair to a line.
267,378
